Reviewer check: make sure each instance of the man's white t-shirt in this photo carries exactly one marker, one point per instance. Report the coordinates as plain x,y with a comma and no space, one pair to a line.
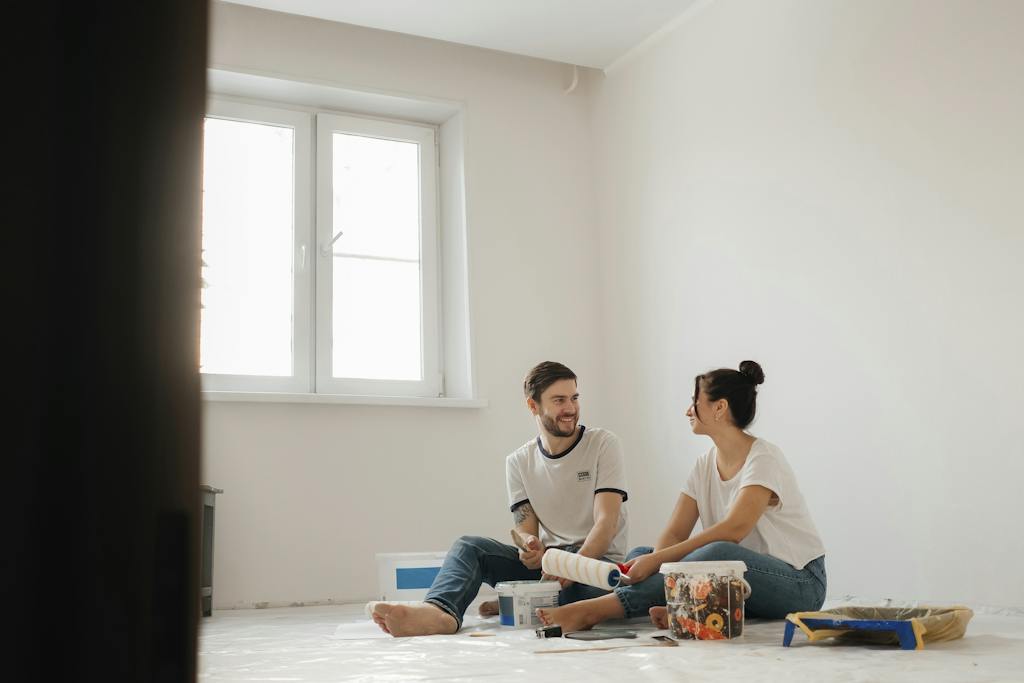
785,530
561,487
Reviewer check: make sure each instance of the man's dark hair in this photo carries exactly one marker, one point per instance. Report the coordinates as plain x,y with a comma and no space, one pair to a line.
542,376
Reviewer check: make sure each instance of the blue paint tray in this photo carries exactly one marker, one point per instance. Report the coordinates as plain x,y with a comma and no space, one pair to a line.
908,627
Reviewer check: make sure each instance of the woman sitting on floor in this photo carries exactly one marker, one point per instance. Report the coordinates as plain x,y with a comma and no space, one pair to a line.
750,507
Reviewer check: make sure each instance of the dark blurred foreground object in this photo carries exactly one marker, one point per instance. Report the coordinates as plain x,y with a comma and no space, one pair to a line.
101,246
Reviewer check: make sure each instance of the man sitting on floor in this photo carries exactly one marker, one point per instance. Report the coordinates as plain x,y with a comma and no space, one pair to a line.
566,489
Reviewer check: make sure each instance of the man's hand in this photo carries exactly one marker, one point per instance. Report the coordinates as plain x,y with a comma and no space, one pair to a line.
533,553
564,583
642,567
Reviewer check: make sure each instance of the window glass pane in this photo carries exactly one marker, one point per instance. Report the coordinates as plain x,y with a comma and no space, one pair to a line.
376,197
376,319
248,218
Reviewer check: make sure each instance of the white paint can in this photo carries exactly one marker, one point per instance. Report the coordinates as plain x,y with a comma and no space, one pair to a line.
519,600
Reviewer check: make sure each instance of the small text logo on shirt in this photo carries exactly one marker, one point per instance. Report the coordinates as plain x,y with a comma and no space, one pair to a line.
583,476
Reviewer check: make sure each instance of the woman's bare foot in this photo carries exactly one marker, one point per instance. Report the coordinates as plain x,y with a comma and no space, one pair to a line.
423,619
572,617
659,616
489,608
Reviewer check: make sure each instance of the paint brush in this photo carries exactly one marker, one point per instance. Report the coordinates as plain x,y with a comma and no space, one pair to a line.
517,538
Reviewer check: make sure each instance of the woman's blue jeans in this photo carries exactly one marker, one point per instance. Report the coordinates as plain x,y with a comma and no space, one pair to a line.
473,560
776,588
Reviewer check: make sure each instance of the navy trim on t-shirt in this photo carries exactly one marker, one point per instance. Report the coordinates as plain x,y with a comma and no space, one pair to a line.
564,453
625,496
520,504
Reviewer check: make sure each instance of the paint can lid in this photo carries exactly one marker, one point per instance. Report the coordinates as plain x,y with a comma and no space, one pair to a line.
527,587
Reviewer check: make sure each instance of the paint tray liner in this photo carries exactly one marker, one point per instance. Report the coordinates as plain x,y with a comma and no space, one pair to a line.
908,627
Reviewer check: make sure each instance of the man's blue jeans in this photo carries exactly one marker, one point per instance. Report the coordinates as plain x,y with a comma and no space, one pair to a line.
776,587
473,560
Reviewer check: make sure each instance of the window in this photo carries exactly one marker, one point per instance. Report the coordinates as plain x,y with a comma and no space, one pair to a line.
320,254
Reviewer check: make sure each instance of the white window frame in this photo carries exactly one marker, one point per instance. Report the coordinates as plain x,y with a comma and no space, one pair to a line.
313,270
302,197
425,137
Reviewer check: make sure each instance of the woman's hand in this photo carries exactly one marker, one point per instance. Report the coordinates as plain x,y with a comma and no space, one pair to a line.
641,568
659,616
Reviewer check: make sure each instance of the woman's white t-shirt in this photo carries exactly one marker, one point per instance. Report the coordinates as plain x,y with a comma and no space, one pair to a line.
785,530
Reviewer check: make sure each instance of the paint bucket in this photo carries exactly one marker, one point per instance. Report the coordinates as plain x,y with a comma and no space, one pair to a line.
518,600
705,599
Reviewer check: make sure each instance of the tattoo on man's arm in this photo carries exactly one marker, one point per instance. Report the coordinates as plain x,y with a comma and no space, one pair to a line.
523,513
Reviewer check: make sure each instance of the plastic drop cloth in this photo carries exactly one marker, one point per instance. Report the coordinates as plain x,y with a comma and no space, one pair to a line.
931,624
338,643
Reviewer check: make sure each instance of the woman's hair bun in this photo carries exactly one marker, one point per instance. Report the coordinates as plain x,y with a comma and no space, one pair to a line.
752,370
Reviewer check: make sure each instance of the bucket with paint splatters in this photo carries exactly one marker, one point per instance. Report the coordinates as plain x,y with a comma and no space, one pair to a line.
705,599
519,600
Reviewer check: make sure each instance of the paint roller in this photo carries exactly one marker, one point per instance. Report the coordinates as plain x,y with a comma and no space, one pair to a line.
581,569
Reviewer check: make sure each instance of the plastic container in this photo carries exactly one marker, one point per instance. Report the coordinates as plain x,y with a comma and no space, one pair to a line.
407,576
518,600
705,599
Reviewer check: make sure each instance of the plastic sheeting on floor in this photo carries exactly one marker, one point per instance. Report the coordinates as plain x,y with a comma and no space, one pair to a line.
338,643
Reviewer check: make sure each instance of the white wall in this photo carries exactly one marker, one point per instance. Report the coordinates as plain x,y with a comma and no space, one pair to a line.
312,492
835,189
831,188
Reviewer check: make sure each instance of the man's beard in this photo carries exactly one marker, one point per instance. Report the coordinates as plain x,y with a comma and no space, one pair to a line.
554,429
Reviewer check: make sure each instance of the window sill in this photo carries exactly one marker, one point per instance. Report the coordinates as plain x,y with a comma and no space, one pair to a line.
274,397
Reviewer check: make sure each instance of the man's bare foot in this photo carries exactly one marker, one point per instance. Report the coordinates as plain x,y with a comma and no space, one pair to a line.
489,608
572,617
423,619
378,618
659,616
